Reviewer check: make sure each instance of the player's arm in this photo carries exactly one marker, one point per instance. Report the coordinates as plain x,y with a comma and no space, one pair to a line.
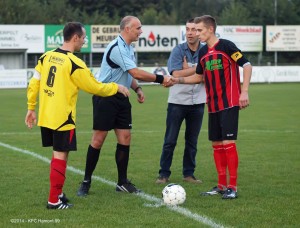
242,61
247,72
85,80
32,94
244,97
193,79
184,72
196,78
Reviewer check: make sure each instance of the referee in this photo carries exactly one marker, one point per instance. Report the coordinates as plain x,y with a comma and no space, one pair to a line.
118,65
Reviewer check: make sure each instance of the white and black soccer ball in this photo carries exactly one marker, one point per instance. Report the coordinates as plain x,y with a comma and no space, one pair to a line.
173,194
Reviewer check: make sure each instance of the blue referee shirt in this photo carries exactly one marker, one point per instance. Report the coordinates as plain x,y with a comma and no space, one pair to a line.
118,58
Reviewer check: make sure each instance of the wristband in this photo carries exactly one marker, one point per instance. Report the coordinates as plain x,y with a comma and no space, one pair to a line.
136,89
159,78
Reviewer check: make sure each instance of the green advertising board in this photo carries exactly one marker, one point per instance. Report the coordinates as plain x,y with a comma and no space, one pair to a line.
54,38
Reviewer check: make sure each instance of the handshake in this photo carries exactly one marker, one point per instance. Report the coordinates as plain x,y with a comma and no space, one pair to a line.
170,81
192,79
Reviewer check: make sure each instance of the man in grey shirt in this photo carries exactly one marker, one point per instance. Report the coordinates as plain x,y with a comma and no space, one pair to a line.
185,102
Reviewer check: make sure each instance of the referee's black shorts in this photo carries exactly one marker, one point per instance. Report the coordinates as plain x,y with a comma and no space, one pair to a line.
223,125
112,112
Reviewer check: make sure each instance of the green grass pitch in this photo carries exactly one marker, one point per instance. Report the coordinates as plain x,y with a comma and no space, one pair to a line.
268,182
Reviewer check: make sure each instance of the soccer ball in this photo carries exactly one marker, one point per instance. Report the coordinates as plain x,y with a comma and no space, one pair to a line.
173,194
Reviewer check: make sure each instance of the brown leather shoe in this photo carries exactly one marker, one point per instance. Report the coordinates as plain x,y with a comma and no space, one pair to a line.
192,179
162,180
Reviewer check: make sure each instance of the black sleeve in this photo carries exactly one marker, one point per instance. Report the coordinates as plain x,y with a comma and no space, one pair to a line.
234,53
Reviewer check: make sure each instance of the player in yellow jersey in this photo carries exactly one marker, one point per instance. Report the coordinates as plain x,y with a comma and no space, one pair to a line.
58,77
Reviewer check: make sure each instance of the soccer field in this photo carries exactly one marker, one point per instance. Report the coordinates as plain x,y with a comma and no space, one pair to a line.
269,169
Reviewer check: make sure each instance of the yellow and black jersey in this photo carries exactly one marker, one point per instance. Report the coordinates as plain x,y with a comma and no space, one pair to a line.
58,77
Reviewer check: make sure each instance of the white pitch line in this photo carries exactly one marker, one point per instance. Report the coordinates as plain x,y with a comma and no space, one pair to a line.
181,210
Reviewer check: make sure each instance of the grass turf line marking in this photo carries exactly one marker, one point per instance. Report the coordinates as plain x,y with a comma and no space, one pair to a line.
177,209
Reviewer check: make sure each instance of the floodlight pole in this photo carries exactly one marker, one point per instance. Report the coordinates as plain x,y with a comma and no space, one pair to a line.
275,23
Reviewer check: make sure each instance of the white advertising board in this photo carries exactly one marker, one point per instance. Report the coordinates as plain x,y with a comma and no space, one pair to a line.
283,38
102,35
30,37
13,79
269,74
246,38
157,38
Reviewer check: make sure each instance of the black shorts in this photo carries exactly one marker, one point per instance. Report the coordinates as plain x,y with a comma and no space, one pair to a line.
112,112
223,125
64,141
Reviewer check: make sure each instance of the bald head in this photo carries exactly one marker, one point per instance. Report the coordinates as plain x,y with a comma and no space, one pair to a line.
126,21
131,29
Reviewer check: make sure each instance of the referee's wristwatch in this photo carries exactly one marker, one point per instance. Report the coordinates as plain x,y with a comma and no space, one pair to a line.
137,88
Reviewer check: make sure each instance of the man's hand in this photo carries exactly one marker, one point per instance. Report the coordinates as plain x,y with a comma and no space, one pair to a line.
244,100
167,81
185,64
171,81
30,118
122,89
141,96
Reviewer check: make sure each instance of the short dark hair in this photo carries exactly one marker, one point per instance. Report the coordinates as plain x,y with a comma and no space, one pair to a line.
207,21
191,20
72,28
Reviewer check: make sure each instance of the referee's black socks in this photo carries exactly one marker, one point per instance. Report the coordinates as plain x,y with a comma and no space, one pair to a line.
122,158
92,158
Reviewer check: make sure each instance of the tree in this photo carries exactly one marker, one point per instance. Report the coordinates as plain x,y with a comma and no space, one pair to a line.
151,12
235,14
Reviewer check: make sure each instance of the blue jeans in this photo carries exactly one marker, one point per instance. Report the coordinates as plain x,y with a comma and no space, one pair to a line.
193,115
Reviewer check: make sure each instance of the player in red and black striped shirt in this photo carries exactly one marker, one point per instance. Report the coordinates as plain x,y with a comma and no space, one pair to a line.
218,68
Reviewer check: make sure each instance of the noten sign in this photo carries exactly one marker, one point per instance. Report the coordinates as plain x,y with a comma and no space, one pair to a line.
158,38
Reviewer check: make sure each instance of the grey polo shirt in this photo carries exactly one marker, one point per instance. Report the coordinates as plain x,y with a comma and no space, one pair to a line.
184,94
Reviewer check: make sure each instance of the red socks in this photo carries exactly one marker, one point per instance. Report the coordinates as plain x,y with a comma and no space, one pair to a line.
221,165
57,178
232,162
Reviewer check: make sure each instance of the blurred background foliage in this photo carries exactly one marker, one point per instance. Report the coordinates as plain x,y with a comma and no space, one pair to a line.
159,12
